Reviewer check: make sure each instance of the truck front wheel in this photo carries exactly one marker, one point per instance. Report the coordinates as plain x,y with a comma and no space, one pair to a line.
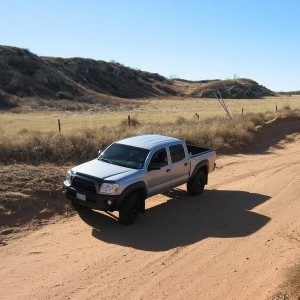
195,185
129,210
77,206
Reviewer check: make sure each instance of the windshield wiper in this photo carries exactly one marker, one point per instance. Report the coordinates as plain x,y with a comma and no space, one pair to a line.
121,165
106,160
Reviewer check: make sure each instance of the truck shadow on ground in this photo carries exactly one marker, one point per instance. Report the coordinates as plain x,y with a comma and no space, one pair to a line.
183,220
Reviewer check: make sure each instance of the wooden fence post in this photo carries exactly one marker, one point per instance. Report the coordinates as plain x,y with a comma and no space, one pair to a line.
59,128
129,121
276,107
242,111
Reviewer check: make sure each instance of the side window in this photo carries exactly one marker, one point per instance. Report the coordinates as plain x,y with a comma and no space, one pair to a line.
160,157
177,153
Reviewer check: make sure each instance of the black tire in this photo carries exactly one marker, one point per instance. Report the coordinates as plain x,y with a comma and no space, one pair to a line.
196,184
77,206
128,212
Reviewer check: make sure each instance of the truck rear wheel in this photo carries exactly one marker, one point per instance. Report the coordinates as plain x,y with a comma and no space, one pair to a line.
196,184
129,210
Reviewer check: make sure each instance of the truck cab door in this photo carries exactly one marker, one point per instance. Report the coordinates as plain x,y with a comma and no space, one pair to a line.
158,173
180,165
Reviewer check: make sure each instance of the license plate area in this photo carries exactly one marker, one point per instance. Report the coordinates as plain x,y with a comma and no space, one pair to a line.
81,197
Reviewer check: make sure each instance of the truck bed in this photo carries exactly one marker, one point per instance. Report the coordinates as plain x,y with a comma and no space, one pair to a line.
194,150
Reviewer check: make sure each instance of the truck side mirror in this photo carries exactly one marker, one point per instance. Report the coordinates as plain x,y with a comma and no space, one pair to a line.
154,166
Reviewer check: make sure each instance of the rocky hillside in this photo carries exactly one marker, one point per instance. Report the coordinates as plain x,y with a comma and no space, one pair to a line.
240,88
24,74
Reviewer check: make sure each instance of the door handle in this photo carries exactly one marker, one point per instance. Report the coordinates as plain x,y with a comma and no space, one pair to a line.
168,170
186,164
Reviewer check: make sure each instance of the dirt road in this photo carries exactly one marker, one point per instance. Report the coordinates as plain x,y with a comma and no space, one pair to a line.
229,243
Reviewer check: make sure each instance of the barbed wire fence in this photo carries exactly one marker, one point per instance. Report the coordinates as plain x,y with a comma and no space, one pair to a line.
62,124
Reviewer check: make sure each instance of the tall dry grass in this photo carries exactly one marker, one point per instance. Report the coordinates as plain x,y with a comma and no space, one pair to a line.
219,133
44,118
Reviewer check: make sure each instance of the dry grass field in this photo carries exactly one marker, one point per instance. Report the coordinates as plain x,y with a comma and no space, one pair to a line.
145,111
33,137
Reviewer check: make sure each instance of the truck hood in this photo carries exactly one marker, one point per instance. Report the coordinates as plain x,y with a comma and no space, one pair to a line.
104,170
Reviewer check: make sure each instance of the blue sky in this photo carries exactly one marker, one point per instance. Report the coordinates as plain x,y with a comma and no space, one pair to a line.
191,39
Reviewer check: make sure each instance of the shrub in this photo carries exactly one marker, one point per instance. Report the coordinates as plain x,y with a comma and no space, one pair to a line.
64,95
180,120
83,98
6,102
286,107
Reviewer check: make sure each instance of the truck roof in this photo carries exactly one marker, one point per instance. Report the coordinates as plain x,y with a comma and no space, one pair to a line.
148,141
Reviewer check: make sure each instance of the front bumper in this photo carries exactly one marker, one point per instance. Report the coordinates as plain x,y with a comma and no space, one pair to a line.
95,201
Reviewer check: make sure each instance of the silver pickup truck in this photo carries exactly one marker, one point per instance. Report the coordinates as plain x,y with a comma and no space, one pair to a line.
133,169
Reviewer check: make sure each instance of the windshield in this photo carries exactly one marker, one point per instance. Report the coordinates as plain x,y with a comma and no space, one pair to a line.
125,156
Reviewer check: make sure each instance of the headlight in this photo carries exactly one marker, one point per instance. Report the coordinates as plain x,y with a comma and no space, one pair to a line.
68,178
109,188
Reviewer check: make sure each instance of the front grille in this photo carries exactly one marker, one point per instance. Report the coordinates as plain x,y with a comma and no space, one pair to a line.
83,184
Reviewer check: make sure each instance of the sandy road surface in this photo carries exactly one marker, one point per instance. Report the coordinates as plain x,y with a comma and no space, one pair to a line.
229,243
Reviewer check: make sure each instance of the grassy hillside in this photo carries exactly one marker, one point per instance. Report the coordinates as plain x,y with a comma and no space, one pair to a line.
25,75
